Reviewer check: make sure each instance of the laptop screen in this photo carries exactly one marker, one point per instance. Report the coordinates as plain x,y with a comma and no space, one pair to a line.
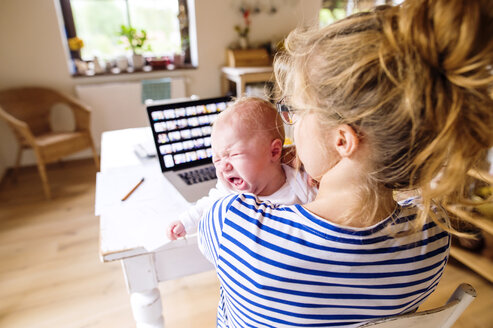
182,131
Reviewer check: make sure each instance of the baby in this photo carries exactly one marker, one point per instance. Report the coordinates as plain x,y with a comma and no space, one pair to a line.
247,143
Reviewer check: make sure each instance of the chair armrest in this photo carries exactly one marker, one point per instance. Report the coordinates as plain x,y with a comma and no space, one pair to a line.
82,112
20,128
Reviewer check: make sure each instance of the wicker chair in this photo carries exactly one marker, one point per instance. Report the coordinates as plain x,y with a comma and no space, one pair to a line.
27,112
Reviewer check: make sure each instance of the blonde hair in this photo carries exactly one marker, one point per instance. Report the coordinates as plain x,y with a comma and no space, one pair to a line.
257,115
413,81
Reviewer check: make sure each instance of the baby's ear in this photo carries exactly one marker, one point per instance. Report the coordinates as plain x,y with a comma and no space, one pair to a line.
276,149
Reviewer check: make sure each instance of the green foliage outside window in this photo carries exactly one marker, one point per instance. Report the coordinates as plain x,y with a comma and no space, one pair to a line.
98,23
333,10
327,16
135,40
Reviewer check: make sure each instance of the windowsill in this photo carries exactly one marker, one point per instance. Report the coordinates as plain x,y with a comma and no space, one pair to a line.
118,75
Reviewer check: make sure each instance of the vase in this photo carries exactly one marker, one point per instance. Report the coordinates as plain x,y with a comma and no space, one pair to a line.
178,59
98,67
122,63
243,41
138,61
81,66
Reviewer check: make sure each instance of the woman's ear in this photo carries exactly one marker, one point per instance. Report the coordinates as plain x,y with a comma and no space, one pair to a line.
276,149
346,140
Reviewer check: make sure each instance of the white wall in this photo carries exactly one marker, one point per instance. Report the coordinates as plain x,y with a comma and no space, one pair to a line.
33,52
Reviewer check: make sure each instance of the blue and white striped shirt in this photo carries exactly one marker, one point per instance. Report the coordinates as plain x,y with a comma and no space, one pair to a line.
281,266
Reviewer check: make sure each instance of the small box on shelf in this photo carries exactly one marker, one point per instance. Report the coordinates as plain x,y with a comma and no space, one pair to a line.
159,62
248,57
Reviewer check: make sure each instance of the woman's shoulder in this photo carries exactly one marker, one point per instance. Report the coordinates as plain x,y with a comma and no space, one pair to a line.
248,204
412,205
254,202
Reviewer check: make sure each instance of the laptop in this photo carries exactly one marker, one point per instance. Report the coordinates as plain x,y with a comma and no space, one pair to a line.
182,135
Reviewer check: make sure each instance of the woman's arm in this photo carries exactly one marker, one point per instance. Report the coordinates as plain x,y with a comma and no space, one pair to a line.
210,228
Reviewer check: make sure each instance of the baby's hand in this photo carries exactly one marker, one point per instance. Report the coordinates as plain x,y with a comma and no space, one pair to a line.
175,230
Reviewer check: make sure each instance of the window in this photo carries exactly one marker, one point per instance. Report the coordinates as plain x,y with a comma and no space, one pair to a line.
333,10
161,25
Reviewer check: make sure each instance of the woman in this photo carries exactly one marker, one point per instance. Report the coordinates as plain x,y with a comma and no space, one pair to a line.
396,99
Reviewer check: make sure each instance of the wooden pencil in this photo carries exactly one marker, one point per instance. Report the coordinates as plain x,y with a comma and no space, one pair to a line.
133,189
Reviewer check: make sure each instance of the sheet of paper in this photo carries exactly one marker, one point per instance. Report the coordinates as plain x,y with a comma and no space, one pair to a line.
132,226
142,219
112,186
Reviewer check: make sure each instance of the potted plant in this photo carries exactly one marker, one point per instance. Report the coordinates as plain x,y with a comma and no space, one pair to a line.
135,40
243,31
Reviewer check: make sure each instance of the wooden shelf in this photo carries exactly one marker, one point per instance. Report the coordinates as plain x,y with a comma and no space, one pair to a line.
483,224
476,262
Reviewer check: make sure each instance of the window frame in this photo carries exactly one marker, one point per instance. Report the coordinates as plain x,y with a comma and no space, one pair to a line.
185,17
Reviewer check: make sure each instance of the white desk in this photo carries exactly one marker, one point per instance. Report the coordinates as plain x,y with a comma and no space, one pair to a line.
243,75
128,229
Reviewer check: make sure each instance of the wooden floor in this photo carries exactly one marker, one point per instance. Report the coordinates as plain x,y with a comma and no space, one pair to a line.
51,275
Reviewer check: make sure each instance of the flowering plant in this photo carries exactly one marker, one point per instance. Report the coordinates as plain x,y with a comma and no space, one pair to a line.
75,44
243,31
135,40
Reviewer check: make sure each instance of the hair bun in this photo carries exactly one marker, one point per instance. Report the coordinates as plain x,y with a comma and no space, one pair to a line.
452,36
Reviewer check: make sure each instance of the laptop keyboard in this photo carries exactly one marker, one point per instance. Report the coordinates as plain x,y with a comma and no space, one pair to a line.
199,175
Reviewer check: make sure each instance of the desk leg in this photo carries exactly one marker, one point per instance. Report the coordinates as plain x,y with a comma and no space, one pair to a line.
145,298
224,84
240,87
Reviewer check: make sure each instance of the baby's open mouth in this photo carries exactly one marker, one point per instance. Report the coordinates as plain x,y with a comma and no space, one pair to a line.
237,182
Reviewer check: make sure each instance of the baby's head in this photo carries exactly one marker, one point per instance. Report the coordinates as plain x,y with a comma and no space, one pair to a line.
247,141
